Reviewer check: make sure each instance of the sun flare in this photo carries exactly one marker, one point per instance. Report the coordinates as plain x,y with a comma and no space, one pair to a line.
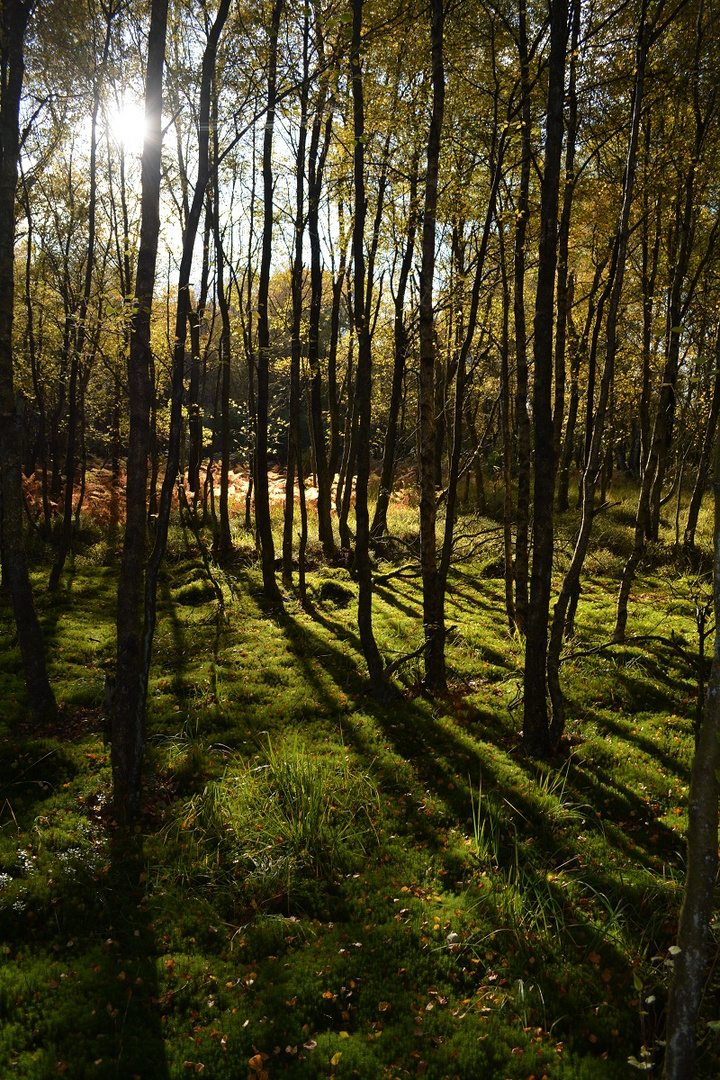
126,126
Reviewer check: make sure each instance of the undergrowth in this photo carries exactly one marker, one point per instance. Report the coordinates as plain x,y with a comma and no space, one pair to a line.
322,886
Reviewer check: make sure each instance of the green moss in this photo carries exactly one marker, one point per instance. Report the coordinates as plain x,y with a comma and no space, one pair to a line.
315,873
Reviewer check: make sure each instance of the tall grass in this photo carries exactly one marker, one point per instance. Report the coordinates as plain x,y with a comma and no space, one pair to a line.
270,828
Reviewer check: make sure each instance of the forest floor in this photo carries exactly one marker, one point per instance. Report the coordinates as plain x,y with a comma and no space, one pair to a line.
325,887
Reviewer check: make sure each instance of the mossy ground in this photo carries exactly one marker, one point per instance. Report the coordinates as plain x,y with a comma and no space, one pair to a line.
322,886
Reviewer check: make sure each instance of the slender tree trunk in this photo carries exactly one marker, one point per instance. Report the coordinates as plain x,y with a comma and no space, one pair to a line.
650,260
536,734
14,17
172,466
579,353
40,400
690,960
522,525
128,706
506,432
316,163
571,582
564,286
194,407
224,538
296,283
496,158
433,597
400,349
343,494
648,510
364,370
334,450
262,493
705,452
81,325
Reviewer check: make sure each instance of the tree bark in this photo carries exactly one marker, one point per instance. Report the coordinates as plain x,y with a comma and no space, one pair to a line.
571,582
296,285
16,578
128,705
536,733
364,370
262,493
705,453
400,349
433,598
690,961
522,420
316,164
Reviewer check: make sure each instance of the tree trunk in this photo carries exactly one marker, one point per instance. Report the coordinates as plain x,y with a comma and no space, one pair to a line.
536,733
128,705
224,538
571,582
194,408
690,960
262,493
705,452
433,598
522,527
81,325
16,578
400,349
316,164
506,433
364,371
648,510
294,457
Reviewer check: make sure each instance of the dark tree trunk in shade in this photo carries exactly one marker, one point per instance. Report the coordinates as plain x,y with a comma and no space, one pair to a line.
79,336
536,733
506,433
364,370
127,798
128,705
690,960
433,598
16,578
262,493
709,436
522,419
682,285
334,448
571,583
194,407
294,453
564,285
223,541
316,163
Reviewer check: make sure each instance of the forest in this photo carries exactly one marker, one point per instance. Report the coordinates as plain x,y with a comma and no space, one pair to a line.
360,535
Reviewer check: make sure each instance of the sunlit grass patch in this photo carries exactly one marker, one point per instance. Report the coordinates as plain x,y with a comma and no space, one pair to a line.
268,829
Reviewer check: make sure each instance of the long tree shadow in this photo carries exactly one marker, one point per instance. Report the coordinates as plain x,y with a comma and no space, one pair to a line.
79,944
